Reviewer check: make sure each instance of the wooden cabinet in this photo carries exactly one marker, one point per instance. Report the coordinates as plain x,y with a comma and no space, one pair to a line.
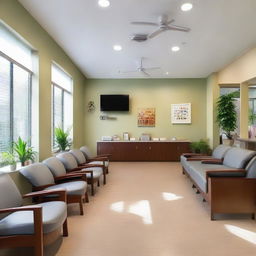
143,151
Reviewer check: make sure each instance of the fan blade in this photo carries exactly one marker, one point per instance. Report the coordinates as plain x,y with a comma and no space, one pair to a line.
157,32
169,22
127,72
153,68
178,28
144,23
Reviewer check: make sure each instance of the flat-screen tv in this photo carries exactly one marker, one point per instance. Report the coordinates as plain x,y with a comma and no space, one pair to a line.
114,102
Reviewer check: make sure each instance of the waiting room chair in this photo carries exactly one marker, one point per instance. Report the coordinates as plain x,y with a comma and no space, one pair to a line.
93,174
31,225
99,159
41,178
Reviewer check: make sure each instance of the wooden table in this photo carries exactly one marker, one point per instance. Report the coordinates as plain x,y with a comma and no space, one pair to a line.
143,150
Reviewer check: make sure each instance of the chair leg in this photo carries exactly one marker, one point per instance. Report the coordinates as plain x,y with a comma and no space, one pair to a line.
98,182
81,206
39,249
107,170
65,228
92,187
86,197
104,178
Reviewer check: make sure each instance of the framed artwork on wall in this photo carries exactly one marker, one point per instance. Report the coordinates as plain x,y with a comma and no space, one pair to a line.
146,117
181,113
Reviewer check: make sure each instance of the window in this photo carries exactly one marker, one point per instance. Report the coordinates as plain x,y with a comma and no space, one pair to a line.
15,89
62,110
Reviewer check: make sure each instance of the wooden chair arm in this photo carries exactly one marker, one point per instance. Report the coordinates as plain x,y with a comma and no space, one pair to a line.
71,176
92,165
187,155
39,188
83,171
104,155
22,208
212,161
98,159
61,192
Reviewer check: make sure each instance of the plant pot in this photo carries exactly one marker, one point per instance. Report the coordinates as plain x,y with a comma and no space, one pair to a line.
227,142
13,167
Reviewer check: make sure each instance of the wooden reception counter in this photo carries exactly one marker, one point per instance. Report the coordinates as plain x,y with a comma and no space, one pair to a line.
143,150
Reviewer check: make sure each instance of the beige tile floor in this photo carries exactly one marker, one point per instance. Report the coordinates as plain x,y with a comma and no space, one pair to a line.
150,209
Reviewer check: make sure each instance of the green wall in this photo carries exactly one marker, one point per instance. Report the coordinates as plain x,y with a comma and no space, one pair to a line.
14,15
155,93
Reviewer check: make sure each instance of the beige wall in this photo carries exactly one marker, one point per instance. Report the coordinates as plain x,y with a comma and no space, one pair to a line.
14,15
155,93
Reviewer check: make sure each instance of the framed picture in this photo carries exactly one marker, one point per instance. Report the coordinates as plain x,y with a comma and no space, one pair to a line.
146,117
181,113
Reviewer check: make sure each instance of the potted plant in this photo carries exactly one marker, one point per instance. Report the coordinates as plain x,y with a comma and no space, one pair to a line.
252,126
227,115
62,139
8,158
25,153
200,146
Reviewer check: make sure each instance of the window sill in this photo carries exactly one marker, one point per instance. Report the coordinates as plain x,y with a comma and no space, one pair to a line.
6,169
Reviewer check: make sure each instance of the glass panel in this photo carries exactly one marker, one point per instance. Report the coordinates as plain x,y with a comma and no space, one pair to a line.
21,104
67,115
61,78
5,136
57,107
12,46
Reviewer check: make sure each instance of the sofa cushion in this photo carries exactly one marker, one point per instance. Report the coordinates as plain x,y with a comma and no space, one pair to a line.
38,174
8,187
22,223
100,163
85,150
72,188
238,157
220,151
197,172
79,156
56,166
68,160
251,168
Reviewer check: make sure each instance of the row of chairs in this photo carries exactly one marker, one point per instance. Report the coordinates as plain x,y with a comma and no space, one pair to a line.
55,182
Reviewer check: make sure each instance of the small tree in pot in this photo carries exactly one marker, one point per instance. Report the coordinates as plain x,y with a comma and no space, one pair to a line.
62,139
226,114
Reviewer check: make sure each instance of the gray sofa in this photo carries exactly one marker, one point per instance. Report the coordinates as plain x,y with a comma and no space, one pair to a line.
232,171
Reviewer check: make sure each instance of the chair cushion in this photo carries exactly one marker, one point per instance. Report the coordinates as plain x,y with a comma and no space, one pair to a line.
72,188
97,172
197,172
220,151
99,162
22,223
79,156
68,160
56,166
85,150
251,168
38,174
8,187
238,157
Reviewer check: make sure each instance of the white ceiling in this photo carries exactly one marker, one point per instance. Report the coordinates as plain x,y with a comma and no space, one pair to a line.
221,30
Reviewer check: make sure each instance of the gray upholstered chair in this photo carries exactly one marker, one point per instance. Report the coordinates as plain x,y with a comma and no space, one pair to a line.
82,162
59,172
31,225
41,178
93,174
99,159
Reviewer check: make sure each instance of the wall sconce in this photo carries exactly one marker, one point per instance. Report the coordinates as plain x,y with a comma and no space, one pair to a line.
91,106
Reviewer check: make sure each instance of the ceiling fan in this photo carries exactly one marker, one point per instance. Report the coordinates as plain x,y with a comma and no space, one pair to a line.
140,69
163,25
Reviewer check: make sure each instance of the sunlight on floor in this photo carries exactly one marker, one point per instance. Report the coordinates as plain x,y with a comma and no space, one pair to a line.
242,233
118,206
142,209
170,196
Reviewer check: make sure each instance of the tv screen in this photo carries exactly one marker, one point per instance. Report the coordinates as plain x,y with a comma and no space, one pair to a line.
114,102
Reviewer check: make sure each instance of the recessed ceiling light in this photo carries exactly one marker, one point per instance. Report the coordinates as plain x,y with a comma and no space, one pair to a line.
186,7
175,48
103,3
167,73
117,47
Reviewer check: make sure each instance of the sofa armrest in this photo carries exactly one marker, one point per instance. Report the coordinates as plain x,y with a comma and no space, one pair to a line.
22,208
232,195
212,161
70,176
188,155
84,171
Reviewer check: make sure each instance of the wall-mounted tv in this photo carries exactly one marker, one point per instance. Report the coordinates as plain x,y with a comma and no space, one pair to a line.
114,102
